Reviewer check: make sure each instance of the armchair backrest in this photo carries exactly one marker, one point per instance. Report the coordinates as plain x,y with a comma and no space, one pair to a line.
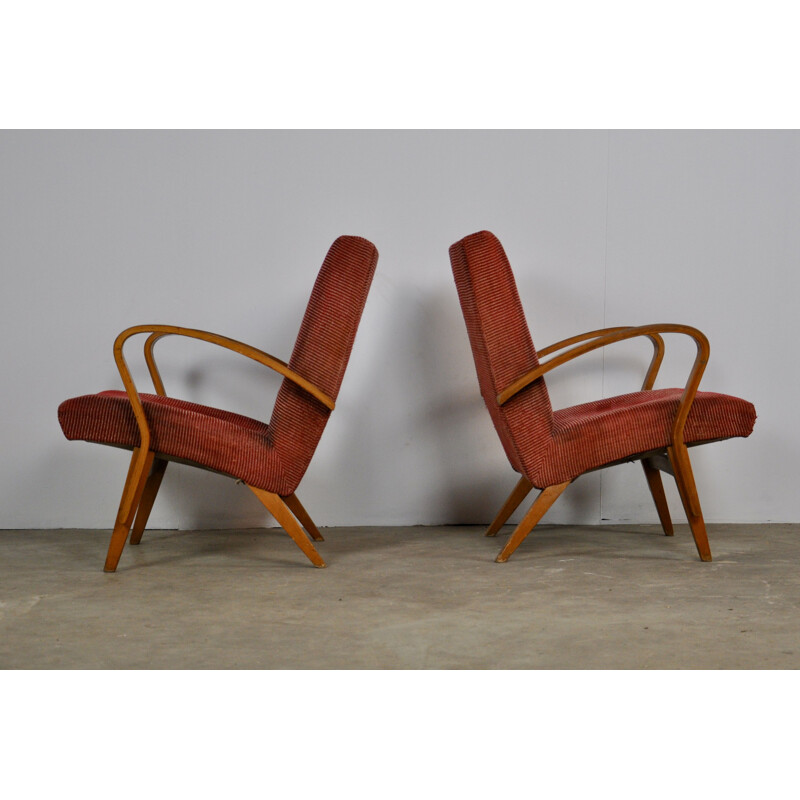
322,349
502,347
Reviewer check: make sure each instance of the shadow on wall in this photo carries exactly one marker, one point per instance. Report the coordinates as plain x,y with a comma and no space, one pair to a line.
434,459
195,499
451,421
190,498
474,474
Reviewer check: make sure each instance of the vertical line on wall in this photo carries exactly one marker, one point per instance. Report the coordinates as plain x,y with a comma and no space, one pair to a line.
605,298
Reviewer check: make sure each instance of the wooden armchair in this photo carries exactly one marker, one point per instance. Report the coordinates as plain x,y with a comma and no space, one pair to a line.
551,449
270,459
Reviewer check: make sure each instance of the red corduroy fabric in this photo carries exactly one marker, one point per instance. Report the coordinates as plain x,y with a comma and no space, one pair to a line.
590,435
502,347
322,350
550,447
273,457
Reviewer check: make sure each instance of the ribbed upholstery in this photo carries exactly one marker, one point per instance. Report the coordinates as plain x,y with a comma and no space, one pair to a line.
502,348
273,457
590,435
322,351
218,440
550,447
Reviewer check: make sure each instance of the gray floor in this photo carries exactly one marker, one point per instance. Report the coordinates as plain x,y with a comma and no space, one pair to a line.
610,597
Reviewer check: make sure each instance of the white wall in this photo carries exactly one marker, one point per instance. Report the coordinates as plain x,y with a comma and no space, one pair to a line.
225,231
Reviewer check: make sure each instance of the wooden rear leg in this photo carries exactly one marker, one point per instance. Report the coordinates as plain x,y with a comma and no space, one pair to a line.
659,498
131,496
539,508
302,515
148,498
684,478
518,494
277,507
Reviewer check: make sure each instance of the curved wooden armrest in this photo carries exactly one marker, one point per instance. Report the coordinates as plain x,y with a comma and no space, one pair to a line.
610,336
158,331
655,363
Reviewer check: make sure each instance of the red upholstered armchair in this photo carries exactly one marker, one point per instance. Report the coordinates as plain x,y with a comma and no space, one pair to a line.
271,459
550,449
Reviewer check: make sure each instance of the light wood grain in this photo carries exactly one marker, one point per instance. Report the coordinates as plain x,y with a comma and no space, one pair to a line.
656,486
684,478
518,494
141,461
546,498
676,461
619,335
655,363
159,331
277,507
296,507
148,498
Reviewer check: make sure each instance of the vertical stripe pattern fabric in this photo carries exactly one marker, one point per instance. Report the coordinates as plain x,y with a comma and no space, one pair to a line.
502,348
549,447
322,350
272,457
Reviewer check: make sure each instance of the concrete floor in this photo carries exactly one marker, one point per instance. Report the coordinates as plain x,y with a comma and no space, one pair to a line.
610,597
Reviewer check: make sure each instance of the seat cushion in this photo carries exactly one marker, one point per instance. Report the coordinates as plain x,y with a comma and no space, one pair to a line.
591,435
209,437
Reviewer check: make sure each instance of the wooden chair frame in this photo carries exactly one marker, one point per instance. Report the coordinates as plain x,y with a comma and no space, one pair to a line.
674,459
147,467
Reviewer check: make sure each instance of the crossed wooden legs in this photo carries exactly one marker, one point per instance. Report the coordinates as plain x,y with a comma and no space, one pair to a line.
539,508
519,493
141,487
148,498
146,472
676,462
684,478
296,507
279,508
131,497
659,498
